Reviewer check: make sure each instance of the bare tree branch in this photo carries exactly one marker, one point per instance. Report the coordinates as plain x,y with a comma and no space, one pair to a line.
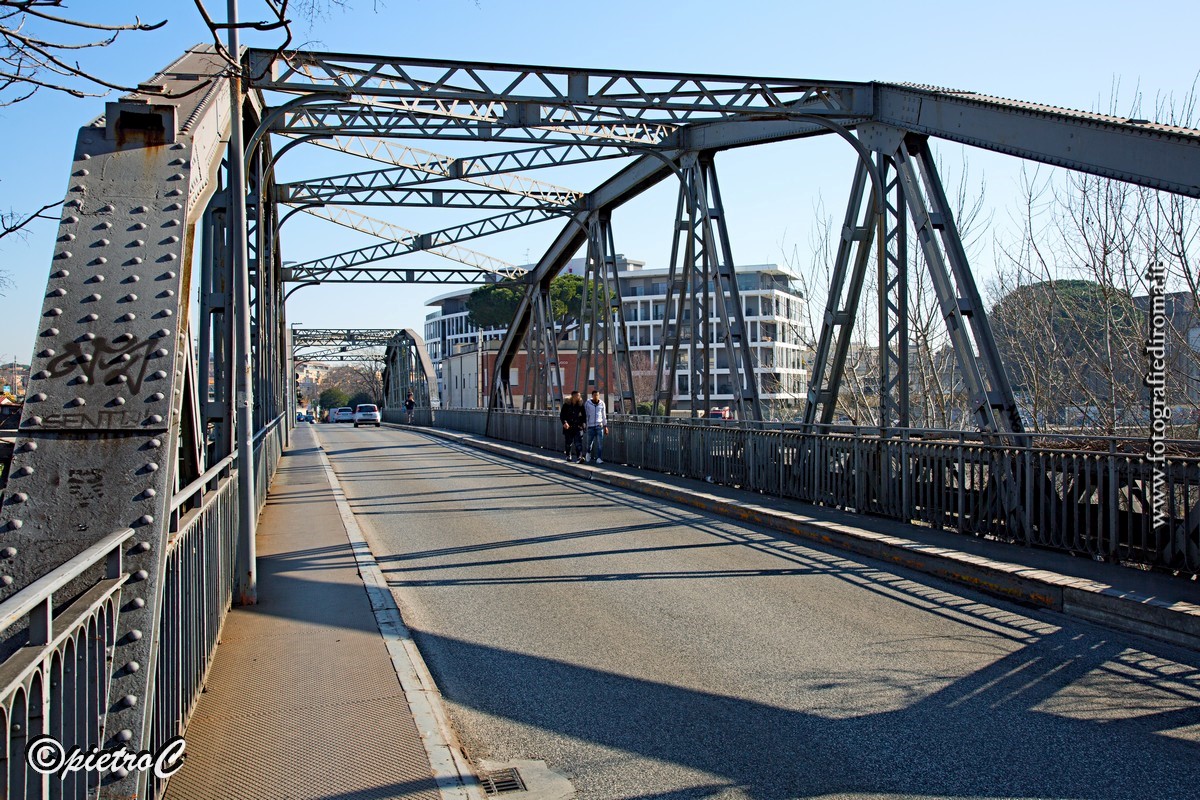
31,9
32,60
11,222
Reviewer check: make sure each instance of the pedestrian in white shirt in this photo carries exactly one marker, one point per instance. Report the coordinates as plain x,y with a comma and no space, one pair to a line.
597,427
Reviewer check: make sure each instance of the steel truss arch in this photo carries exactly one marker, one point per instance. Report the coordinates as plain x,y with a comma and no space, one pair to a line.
127,427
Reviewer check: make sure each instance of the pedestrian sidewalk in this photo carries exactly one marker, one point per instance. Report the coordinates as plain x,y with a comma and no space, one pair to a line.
1147,603
303,698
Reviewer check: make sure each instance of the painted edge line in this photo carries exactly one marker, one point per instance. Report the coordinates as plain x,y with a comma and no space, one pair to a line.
454,777
1178,624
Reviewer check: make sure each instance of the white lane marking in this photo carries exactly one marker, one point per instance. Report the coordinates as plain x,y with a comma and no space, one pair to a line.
454,776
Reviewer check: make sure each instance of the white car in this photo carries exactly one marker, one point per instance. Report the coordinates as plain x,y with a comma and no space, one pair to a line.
367,414
343,414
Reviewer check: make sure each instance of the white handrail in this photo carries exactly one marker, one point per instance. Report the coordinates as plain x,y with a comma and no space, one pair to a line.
17,607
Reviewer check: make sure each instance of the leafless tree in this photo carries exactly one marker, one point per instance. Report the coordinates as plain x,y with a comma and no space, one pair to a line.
641,365
40,45
1079,267
1072,353
813,267
936,394
355,378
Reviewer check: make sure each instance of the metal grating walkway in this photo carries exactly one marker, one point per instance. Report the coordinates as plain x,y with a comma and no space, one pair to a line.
302,700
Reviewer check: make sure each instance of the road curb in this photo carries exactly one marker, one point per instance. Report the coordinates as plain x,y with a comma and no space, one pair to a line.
1174,622
452,773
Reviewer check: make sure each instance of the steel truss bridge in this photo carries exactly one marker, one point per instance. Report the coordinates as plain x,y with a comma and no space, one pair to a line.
142,459
345,345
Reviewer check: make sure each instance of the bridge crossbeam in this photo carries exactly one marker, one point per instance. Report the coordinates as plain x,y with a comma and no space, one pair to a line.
437,275
353,260
421,123
416,167
640,95
392,232
328,191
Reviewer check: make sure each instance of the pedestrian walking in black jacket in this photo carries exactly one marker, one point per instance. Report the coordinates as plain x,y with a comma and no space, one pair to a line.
573,422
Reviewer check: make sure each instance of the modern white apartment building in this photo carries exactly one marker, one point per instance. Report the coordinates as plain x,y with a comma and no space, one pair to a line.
772,308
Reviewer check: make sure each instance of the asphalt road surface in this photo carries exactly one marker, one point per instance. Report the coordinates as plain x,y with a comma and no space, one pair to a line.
649,651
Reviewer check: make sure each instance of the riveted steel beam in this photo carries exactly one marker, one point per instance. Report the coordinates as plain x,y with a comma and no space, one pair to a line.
1140,152
338,357
392,232
978,358
380,120
342,337
328,191
381,274
354,260
539,90
416,167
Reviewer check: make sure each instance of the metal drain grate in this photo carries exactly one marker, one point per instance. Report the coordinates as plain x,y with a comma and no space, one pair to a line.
502,780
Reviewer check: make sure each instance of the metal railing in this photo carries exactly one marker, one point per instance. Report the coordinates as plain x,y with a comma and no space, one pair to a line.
198,583
56,683
420,416
56,680
1085,495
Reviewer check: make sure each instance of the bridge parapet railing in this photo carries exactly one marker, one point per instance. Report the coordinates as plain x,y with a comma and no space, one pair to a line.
1090,496
54,681
198,582
57,632
420,416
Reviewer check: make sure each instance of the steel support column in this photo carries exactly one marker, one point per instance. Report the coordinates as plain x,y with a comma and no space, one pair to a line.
892,262
603,335
841,306
543,378
216,328
702,291
978,358
730,312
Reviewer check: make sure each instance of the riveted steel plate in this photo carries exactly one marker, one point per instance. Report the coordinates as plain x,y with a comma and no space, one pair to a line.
96,449
110,322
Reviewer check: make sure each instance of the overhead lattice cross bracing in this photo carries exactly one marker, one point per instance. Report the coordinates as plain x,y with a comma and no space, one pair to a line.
416,197
440,122
569,95
322,269
341,337
418,167
387,230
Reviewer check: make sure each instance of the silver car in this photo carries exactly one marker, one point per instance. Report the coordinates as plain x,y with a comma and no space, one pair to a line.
367,414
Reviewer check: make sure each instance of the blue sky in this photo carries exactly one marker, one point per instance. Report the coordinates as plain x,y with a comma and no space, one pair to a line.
1062,53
